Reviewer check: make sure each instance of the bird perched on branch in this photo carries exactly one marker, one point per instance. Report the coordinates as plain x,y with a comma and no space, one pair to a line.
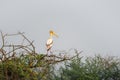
49,43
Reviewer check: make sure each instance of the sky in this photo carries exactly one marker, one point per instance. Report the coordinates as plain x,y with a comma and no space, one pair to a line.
91,26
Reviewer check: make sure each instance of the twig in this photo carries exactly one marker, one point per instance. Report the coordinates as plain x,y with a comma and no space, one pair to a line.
29,42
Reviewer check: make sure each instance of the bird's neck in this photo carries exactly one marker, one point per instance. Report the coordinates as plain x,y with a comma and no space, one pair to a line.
50,36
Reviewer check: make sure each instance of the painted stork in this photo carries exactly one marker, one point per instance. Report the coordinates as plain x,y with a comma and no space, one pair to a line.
49,43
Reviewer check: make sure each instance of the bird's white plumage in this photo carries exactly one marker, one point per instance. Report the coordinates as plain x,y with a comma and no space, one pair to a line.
49,43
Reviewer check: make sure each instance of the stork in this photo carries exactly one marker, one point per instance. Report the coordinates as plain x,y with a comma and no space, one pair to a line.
49,43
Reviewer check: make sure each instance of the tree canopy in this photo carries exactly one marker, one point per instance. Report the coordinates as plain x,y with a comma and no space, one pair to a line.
20,61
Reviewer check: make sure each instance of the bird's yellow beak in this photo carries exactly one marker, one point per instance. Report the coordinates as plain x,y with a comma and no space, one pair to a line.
55,34
52,33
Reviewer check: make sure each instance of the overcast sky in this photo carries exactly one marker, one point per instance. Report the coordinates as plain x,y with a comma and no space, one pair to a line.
89,25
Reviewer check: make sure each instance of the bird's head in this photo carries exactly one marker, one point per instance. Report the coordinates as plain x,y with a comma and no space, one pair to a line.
52,33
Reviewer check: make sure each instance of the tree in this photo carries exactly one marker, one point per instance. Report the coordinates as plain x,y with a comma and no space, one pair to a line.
93,68
22,62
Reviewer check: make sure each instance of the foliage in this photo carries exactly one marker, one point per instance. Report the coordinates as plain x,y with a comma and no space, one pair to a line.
21,61
96,68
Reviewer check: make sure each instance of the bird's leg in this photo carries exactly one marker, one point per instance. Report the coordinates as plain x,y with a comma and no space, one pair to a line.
51,52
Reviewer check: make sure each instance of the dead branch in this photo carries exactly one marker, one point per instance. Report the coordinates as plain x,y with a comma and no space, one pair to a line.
30,42
14,49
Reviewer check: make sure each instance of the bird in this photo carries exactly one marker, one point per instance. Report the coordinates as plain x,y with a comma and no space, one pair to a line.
49,42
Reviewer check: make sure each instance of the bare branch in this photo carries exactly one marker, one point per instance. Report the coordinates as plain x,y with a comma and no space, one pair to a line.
28,41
